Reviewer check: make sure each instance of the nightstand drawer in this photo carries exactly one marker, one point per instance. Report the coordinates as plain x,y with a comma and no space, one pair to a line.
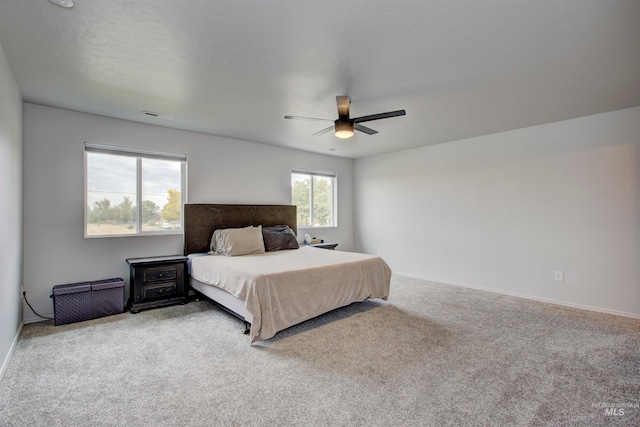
159,291
157,274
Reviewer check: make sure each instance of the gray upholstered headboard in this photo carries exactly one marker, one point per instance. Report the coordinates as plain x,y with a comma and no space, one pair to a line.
200,220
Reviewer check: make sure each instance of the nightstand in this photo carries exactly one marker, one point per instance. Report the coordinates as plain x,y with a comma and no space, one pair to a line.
157,281
331,246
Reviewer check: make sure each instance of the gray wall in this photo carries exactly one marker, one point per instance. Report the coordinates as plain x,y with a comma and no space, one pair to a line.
504,212
10,211
220,170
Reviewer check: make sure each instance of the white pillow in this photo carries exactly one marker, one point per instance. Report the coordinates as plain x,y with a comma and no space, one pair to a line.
237,241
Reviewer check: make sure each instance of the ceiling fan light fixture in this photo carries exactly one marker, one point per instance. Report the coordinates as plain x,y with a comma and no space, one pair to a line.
345,125
68,4
344,129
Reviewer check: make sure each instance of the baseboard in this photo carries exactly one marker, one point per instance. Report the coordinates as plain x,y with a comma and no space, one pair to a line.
5,363
529,297
35,319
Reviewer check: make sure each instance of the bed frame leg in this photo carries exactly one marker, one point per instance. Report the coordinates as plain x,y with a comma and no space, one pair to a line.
247,327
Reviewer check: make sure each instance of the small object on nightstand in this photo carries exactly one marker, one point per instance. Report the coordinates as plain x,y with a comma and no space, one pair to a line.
157,281
324,245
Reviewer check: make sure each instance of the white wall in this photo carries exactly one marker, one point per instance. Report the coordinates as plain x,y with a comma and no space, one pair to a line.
505,211
10,211
220,170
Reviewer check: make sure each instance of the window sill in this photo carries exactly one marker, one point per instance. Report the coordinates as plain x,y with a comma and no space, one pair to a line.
149,233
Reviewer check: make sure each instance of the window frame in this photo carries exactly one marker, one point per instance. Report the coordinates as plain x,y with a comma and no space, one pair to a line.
334,195
139,155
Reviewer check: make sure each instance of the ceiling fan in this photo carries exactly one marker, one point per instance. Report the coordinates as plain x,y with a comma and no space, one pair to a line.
344,125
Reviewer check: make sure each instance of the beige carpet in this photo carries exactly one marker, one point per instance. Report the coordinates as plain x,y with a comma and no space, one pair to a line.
432,355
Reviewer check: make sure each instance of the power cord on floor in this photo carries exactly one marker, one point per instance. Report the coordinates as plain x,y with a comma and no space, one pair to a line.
24,295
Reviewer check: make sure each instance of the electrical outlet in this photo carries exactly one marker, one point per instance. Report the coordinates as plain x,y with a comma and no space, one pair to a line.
559,276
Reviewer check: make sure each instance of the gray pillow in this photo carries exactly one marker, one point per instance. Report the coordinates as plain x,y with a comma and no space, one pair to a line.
279,237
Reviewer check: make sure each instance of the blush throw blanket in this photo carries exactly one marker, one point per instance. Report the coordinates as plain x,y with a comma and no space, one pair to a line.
284,288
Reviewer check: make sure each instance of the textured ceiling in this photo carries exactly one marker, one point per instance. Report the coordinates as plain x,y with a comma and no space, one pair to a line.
235,68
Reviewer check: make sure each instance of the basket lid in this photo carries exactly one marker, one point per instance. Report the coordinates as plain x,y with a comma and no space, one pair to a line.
107,284
71,288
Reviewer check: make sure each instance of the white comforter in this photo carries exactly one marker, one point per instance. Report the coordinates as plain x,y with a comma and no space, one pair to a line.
287,287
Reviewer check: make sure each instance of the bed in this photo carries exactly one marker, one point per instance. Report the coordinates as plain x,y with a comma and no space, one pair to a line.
275,290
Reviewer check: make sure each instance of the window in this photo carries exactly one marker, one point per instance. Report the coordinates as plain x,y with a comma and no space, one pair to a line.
314,194
132,192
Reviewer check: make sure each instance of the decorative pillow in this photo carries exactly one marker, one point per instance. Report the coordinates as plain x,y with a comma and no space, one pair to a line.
237,241
279,237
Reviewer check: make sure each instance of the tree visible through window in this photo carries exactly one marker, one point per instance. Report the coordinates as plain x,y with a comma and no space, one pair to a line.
313,193
132,192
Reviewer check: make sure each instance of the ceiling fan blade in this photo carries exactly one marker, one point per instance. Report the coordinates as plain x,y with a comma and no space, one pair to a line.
379,116
364,129
343,105
323,131
307,118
